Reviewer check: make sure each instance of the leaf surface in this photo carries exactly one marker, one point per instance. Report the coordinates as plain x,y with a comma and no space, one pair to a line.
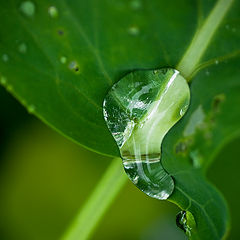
60,58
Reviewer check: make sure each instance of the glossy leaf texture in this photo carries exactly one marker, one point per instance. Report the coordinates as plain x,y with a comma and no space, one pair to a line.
60,58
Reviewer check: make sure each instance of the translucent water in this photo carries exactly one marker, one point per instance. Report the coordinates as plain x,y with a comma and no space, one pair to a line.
22,48
186,222
53,12
27,8
5,57
150,177
139,110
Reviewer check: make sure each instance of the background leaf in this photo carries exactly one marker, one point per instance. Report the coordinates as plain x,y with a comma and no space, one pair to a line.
60,66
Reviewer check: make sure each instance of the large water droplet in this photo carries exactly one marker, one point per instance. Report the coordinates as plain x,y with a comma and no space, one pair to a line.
5,57
53,11
185,220
28,8
139,110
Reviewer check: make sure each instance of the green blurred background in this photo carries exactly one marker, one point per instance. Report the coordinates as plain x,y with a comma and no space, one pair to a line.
45,179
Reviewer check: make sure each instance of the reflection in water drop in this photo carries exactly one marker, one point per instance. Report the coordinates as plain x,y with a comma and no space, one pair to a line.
139,110
53,12
185,220
133,30
27,8
22,48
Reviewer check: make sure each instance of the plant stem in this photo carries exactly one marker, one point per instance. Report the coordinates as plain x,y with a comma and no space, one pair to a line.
203,37
100,200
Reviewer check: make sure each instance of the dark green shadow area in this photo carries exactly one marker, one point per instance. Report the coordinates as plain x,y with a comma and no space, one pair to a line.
224,173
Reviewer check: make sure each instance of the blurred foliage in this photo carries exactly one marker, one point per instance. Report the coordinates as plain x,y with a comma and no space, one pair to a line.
225,174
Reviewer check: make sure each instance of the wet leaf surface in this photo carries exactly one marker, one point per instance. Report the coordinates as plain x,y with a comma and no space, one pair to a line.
60,58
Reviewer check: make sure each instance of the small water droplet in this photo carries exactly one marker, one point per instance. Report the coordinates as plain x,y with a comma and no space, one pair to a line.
183,110
63,60
216,62
197,159
31,109
136,4
186,222
53,11
233,29
3,80
28,8
60,32
207,73
133,30
227,26
9,88
5,57
74,66
22,48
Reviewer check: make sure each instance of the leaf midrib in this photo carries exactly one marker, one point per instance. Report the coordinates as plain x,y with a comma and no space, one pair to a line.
202,38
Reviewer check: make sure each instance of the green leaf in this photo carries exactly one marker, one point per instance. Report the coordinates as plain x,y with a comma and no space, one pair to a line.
60,58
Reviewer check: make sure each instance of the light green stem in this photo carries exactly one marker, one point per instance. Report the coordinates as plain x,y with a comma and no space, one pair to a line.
97,204
203,37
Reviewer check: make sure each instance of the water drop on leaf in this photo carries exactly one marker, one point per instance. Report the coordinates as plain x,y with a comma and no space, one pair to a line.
9,88
185,220
139,110
53,11
5,57
63,60
133,30
74,66
31,109
28,8
22,48
3,80
136,4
